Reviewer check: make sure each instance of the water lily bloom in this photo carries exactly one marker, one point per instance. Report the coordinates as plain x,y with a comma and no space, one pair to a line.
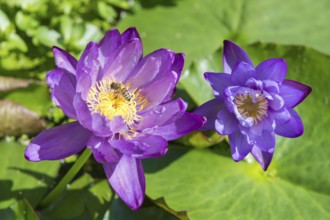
122,106
252,104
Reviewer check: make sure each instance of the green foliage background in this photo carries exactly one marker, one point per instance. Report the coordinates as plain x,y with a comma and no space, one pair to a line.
197,179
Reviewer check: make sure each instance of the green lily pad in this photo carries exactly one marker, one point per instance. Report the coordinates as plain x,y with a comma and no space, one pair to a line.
19,177
35,97
21,209
85,198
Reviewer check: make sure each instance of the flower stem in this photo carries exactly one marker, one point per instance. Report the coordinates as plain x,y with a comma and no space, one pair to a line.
66,179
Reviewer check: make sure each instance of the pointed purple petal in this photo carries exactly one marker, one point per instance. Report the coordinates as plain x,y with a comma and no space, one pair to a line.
233,54
53,77
239,146
276,103
281,117
294,92
156,92
272,69
102,150
127,179
178,63
125,61
219,82
130,34
161,114
241,73
88,69
109,47
64,60
253,83
209,110
184,125
266,141
293,128
63,93
154,66
177,68
145,146
263,158
226,122
271,86
58,142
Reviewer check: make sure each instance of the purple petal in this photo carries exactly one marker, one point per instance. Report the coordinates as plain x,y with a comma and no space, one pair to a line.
276,103
242,72
125,61
109,47
127,179
219,82
293,128
156,92
145,146
130,34
253,83
161,114
102,150
64,60
282,116
253,133
63,93
233,54
267,124
88,69
272,69
184,125
239,146
271,86
155,65
263,158
294,92
58,142
53,77
209,110
226,122
177,68
178,63
100,125
266,141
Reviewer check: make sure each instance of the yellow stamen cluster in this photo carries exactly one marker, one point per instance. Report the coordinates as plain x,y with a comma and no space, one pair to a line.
254,107
111,99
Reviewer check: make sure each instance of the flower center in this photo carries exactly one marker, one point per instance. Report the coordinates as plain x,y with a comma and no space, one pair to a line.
252,106
110,99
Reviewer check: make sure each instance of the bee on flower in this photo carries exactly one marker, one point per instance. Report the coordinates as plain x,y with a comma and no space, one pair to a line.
122,106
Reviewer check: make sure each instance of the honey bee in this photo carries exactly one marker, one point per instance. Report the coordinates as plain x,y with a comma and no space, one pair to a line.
117,88
126,94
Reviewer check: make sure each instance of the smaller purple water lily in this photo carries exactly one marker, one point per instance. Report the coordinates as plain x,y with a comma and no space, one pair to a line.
123,107
251,105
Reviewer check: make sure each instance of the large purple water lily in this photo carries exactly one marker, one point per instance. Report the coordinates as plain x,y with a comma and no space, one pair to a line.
251,105
123,107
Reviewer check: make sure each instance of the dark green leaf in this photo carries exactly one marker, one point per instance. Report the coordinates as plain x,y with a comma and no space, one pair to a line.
23,210
19,177
84,199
